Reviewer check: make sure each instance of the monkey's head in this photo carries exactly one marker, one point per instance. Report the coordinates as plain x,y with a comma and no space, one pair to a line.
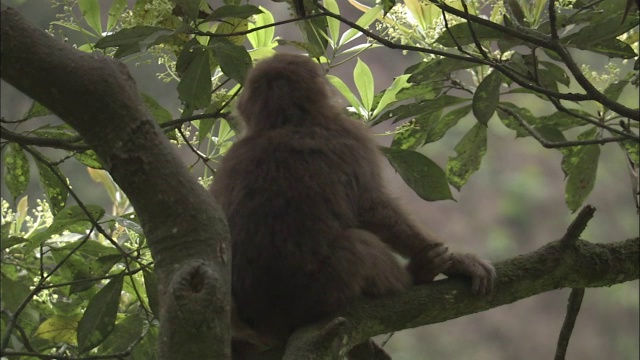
283,90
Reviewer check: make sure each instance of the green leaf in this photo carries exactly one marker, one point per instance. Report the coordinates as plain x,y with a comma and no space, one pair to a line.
614,90
437,128
486,97
115,13
387,5
186,56
234,59
233,11
230,26
560,120
63,132
99,318
129,222
91,13
631,148
304,46
89,158
470,151
190,8
513,9
582,176
421,108
132,40
613,48
98,268
264,37
73,219
314,32
599,30
571,154
550,134
364,21
389,95
424,13
83,261
363,79
427,71
345,91
59,329
423,175
151,286
159,113
333,24
558,73
55,191
125,334
513,123
462,35
13,293
194,88
421,91
22,208
75,27
409,137
36,110
10,241
17,165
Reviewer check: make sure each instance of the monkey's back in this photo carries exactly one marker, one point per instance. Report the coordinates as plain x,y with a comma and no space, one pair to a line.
288,194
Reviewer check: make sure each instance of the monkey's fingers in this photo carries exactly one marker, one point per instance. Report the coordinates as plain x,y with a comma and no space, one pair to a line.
481,272
483,280
491,280
427,264
439,259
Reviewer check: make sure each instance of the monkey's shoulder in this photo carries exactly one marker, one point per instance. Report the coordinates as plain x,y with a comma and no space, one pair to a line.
303,140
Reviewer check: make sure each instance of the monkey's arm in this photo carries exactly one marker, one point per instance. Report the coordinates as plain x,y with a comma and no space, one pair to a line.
427,256
379,214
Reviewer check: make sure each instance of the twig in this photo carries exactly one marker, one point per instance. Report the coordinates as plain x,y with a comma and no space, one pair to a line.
249,31
474,36
555,145
573,308
558,105
553,26
578,224
199,155
547,43
90,218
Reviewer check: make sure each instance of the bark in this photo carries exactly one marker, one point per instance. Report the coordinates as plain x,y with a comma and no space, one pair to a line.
185,229
559,264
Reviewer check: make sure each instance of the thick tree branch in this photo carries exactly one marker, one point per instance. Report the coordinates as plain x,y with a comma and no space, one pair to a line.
98,97
559,264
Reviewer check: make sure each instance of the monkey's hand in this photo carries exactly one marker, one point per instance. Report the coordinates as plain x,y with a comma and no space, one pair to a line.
425,265
481,272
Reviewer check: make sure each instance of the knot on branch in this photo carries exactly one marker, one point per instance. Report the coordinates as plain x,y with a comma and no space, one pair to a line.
194,290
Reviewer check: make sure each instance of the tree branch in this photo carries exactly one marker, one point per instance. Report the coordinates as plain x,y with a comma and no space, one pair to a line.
98,97
547,42
573,308
554,266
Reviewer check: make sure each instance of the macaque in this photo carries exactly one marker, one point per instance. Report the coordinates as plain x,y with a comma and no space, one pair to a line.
312,226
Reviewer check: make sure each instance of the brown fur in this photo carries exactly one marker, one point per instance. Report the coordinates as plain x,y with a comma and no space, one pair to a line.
310,220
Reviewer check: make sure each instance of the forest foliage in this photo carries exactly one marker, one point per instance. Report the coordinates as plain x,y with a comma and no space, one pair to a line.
78,279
